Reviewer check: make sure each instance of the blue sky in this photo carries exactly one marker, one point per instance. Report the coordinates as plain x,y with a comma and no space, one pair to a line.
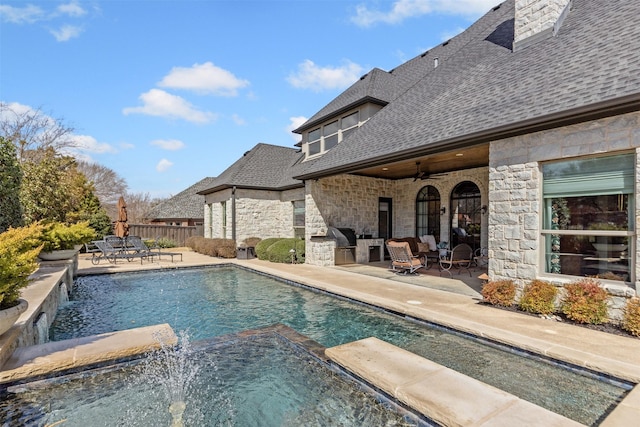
167,92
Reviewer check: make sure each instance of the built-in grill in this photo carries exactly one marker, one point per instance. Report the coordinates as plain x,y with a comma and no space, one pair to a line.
345,238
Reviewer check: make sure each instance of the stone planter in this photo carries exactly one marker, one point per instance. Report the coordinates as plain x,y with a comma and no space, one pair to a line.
58,255
9,316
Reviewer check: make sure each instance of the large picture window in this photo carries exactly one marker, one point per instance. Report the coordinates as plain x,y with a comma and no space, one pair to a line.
588,217
428,211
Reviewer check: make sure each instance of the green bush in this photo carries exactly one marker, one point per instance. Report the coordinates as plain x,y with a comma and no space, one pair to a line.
163,242
631,317
538,297
19,248
58,236
585,301
263,245
499,292
280,250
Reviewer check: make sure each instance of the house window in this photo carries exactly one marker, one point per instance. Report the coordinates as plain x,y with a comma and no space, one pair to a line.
588,224
223,218
349,125
328,136
314,142
428,211
298,218
330,133
466,214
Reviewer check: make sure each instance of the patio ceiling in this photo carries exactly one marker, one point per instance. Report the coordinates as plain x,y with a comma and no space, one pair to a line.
437,163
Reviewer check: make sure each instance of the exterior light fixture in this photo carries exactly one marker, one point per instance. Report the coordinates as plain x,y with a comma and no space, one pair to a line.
483,209
443,210
293,255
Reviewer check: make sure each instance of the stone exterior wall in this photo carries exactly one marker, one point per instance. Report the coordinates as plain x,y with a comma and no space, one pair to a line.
352,201
534,16
258,213
515,194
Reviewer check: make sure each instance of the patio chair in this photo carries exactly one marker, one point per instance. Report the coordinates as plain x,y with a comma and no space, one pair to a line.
402,259
460,257
113,254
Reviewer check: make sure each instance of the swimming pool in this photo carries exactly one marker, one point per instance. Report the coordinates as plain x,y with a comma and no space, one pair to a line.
217,301
243,380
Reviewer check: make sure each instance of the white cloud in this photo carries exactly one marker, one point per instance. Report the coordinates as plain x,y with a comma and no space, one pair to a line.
90,144
311,76
163,165
159,103
71,9
168,144
204,78
295,123
238,120
66,32
403,9
21,15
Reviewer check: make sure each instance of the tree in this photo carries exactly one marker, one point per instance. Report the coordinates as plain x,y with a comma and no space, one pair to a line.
139,205
10,180
33,132
107,184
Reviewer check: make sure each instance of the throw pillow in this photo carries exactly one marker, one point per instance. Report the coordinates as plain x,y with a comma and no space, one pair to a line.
423,247
431,241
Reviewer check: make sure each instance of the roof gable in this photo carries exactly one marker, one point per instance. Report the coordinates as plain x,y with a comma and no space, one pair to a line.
264,166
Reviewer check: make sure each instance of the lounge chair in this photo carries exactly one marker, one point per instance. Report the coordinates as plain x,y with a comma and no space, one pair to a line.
139,246
402,259
460,257
113,254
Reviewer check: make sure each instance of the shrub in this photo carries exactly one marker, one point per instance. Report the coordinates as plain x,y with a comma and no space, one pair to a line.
225,248
251,242
538,297
585,301
58,236
631,317
499,292
280,250
263,245
163,242
19,248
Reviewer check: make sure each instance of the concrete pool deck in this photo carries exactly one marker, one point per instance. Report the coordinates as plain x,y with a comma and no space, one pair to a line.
448,302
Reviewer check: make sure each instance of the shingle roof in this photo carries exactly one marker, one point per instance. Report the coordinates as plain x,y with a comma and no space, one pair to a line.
264,166
482,86
186,204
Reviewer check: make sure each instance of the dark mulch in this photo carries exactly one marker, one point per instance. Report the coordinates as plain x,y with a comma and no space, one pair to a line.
609,328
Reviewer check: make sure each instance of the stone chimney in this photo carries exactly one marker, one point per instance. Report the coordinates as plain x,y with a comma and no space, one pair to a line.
537,19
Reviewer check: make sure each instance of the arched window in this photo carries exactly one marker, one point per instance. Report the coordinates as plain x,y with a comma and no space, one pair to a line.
428,211
466,214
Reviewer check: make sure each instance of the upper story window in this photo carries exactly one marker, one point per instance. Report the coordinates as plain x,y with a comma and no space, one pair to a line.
314,142
331,134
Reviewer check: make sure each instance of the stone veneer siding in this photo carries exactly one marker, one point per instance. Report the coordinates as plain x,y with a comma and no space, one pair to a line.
534,16
515,194
351,201
259,213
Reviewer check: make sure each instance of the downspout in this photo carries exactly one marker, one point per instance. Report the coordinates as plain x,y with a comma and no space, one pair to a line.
233,213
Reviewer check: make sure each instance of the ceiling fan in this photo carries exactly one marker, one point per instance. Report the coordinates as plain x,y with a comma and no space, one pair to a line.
420,174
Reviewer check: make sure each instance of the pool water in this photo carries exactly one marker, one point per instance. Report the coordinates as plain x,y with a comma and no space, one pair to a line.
240,382
218,301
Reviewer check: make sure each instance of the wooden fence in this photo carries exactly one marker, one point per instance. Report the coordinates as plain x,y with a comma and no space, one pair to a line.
174,232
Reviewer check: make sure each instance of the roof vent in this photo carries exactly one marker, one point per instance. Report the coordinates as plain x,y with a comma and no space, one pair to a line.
424,54
436,62
446,43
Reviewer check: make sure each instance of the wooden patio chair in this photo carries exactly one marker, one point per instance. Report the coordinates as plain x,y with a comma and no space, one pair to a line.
402,259
460,257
